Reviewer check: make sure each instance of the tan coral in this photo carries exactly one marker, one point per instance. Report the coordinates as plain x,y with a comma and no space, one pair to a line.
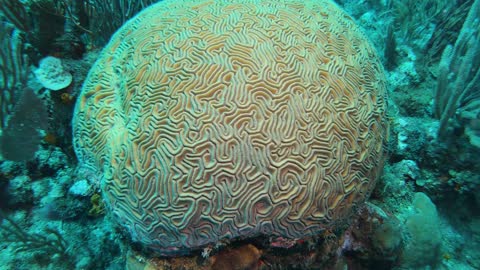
214,120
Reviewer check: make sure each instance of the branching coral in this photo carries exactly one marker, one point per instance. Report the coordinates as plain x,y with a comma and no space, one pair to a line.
459,73
13,68
50,241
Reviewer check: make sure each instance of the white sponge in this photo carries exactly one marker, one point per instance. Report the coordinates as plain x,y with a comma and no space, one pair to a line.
51,75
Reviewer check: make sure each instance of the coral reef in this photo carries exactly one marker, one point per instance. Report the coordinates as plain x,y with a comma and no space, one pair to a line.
422,214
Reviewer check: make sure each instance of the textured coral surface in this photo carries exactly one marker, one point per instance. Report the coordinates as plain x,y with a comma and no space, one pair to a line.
220,119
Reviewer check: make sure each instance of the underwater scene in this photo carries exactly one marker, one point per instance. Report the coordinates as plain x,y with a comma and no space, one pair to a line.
239,134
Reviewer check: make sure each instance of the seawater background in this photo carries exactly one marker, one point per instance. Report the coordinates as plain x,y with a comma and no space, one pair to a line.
52,218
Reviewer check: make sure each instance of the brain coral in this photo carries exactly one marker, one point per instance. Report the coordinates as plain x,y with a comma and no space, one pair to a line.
221,119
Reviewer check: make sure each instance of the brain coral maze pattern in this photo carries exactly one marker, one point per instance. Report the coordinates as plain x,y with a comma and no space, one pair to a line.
215,120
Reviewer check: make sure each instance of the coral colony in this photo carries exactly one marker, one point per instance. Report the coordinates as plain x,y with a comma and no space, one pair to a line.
204,133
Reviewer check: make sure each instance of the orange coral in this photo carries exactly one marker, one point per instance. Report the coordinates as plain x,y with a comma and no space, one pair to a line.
246,257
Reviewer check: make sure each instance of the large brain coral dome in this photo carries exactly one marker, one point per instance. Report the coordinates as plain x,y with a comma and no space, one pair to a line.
222,119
